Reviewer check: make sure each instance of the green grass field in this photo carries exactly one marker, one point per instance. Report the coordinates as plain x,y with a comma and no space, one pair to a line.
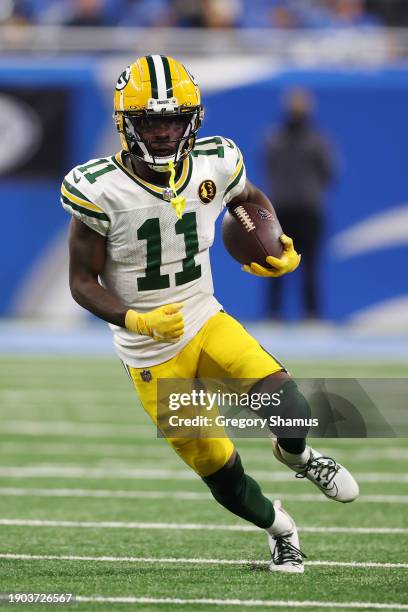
92,503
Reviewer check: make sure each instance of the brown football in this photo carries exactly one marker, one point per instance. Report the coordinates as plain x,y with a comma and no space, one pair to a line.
250,233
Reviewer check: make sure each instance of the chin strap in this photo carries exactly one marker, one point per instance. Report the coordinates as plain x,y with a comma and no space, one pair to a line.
178,202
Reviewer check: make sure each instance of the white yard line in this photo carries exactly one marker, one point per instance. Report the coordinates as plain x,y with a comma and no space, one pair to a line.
78,429
111,395
397,453
189,526
196,561
128,472
248,603
28,394
253,456
84,450
105,493
183,495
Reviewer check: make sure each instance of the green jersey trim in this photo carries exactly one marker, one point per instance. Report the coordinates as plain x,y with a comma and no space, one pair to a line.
235,181
84,211
75,191
156,190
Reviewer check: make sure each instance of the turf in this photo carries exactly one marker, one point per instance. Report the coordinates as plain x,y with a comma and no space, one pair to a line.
76,424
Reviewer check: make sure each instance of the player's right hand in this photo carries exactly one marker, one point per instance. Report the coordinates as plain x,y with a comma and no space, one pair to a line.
164,324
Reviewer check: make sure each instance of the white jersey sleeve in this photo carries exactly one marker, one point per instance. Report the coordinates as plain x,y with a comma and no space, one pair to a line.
80,197
234,170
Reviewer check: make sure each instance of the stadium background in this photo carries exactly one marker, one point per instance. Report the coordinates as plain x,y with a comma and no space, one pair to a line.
57,113
83,478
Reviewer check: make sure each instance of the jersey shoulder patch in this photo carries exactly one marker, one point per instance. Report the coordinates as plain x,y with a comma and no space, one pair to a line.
81,193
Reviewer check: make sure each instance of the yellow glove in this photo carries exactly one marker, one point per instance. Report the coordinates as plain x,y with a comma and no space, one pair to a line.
164,324
287,262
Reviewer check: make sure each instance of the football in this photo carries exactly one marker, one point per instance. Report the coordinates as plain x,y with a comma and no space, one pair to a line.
250,233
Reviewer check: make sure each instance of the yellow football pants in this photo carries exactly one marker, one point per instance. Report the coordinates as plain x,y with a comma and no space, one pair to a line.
221,349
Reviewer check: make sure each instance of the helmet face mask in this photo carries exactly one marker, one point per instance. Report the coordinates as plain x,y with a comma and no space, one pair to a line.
157,138
158,111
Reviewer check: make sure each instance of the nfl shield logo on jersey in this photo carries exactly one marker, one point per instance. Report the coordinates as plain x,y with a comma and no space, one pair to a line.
146,375
168,194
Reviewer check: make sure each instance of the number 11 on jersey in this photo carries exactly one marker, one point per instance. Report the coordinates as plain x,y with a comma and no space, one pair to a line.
150,231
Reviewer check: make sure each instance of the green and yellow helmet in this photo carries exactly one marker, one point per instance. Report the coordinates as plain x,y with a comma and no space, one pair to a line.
156,86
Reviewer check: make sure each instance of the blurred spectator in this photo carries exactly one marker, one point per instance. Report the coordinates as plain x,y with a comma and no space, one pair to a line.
12,13
283,17
314,14
208,13
334,14
188,13
45,12
269,13
391,12
284,14
220,13
351,13
141,13
7,10
299,167
87,13
291,14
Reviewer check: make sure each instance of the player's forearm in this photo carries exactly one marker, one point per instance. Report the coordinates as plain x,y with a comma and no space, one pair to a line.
253,195
99,301
258,197
163,324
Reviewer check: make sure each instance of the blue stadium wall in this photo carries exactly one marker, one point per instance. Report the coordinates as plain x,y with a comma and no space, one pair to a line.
364,256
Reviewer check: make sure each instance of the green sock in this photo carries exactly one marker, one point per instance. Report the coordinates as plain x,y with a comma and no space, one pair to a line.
241,495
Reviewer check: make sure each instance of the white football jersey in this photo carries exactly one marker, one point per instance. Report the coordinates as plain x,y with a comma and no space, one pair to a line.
154,258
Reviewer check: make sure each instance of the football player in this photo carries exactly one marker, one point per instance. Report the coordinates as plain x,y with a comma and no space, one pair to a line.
143,222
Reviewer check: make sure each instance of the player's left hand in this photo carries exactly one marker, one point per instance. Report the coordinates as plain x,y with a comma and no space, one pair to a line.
287,262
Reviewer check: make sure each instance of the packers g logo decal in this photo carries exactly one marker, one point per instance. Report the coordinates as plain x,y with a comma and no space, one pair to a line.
207,191
123,80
